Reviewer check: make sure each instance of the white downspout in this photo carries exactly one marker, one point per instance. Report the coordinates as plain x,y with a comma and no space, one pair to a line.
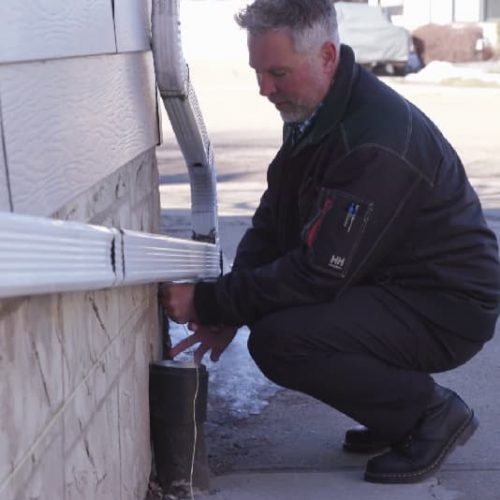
176,90
40,255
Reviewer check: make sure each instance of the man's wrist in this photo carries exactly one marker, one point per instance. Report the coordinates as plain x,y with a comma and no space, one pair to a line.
205,303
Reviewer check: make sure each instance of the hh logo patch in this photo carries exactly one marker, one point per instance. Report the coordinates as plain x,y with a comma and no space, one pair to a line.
337,262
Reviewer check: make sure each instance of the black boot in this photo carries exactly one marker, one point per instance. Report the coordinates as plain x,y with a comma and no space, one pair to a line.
362,440
446,422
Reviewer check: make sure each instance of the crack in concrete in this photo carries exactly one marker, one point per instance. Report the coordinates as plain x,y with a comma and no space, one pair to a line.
44,381
101,479
432,489
87,450
439,492
99,318
112,386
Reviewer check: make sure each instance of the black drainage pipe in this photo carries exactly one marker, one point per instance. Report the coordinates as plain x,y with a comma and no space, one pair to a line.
172,389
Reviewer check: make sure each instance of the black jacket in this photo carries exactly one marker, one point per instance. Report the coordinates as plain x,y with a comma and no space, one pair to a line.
371,194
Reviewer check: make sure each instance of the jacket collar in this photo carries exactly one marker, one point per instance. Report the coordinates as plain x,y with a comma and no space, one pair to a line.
336,101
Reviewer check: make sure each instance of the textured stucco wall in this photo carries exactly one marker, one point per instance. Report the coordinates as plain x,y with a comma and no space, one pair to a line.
74,412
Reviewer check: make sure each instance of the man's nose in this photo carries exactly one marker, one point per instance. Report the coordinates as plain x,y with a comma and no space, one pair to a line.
266,85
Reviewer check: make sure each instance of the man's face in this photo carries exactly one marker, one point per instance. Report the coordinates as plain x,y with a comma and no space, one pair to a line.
295,83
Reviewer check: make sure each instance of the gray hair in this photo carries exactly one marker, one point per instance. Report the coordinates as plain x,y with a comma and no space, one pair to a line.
311,22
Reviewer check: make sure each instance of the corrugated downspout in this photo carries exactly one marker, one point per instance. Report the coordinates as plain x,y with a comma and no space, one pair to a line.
176,90
40,255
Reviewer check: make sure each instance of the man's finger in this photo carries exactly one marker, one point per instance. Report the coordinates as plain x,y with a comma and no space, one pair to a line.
215,354
193,326
200,352
184,344
165,294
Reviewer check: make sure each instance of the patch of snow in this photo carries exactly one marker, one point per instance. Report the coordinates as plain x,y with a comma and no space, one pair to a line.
234,381
439,72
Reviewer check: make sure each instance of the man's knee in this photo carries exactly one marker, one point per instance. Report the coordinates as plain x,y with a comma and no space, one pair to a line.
285,359
262,346
273,349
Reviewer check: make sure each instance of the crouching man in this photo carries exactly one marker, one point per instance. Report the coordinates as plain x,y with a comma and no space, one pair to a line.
368,265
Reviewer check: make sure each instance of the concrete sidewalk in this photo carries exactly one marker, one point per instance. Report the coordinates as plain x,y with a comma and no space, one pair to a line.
336,485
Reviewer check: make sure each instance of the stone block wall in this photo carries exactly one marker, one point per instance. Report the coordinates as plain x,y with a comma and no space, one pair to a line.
74,410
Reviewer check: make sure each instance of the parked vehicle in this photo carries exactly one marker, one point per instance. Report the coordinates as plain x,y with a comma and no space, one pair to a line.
375,40
456,43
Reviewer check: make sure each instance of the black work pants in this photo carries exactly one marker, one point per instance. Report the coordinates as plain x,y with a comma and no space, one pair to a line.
365,354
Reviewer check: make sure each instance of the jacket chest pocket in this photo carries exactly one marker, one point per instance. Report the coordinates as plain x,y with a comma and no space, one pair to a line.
335,231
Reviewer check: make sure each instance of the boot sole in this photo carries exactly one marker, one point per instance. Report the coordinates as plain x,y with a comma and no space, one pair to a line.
366,450
461,436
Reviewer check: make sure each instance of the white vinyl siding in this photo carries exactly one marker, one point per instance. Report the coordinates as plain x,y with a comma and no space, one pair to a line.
69,123
132,24
34,29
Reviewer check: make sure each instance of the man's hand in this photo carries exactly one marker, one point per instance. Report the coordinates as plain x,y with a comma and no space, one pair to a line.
210,338
177,299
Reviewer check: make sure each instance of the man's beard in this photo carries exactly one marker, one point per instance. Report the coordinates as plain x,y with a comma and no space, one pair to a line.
297,113
298,110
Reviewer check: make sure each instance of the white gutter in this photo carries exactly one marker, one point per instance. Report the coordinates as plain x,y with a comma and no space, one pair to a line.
39,255
176,90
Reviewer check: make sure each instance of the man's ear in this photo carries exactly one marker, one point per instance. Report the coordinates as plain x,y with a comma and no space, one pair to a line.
329,57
